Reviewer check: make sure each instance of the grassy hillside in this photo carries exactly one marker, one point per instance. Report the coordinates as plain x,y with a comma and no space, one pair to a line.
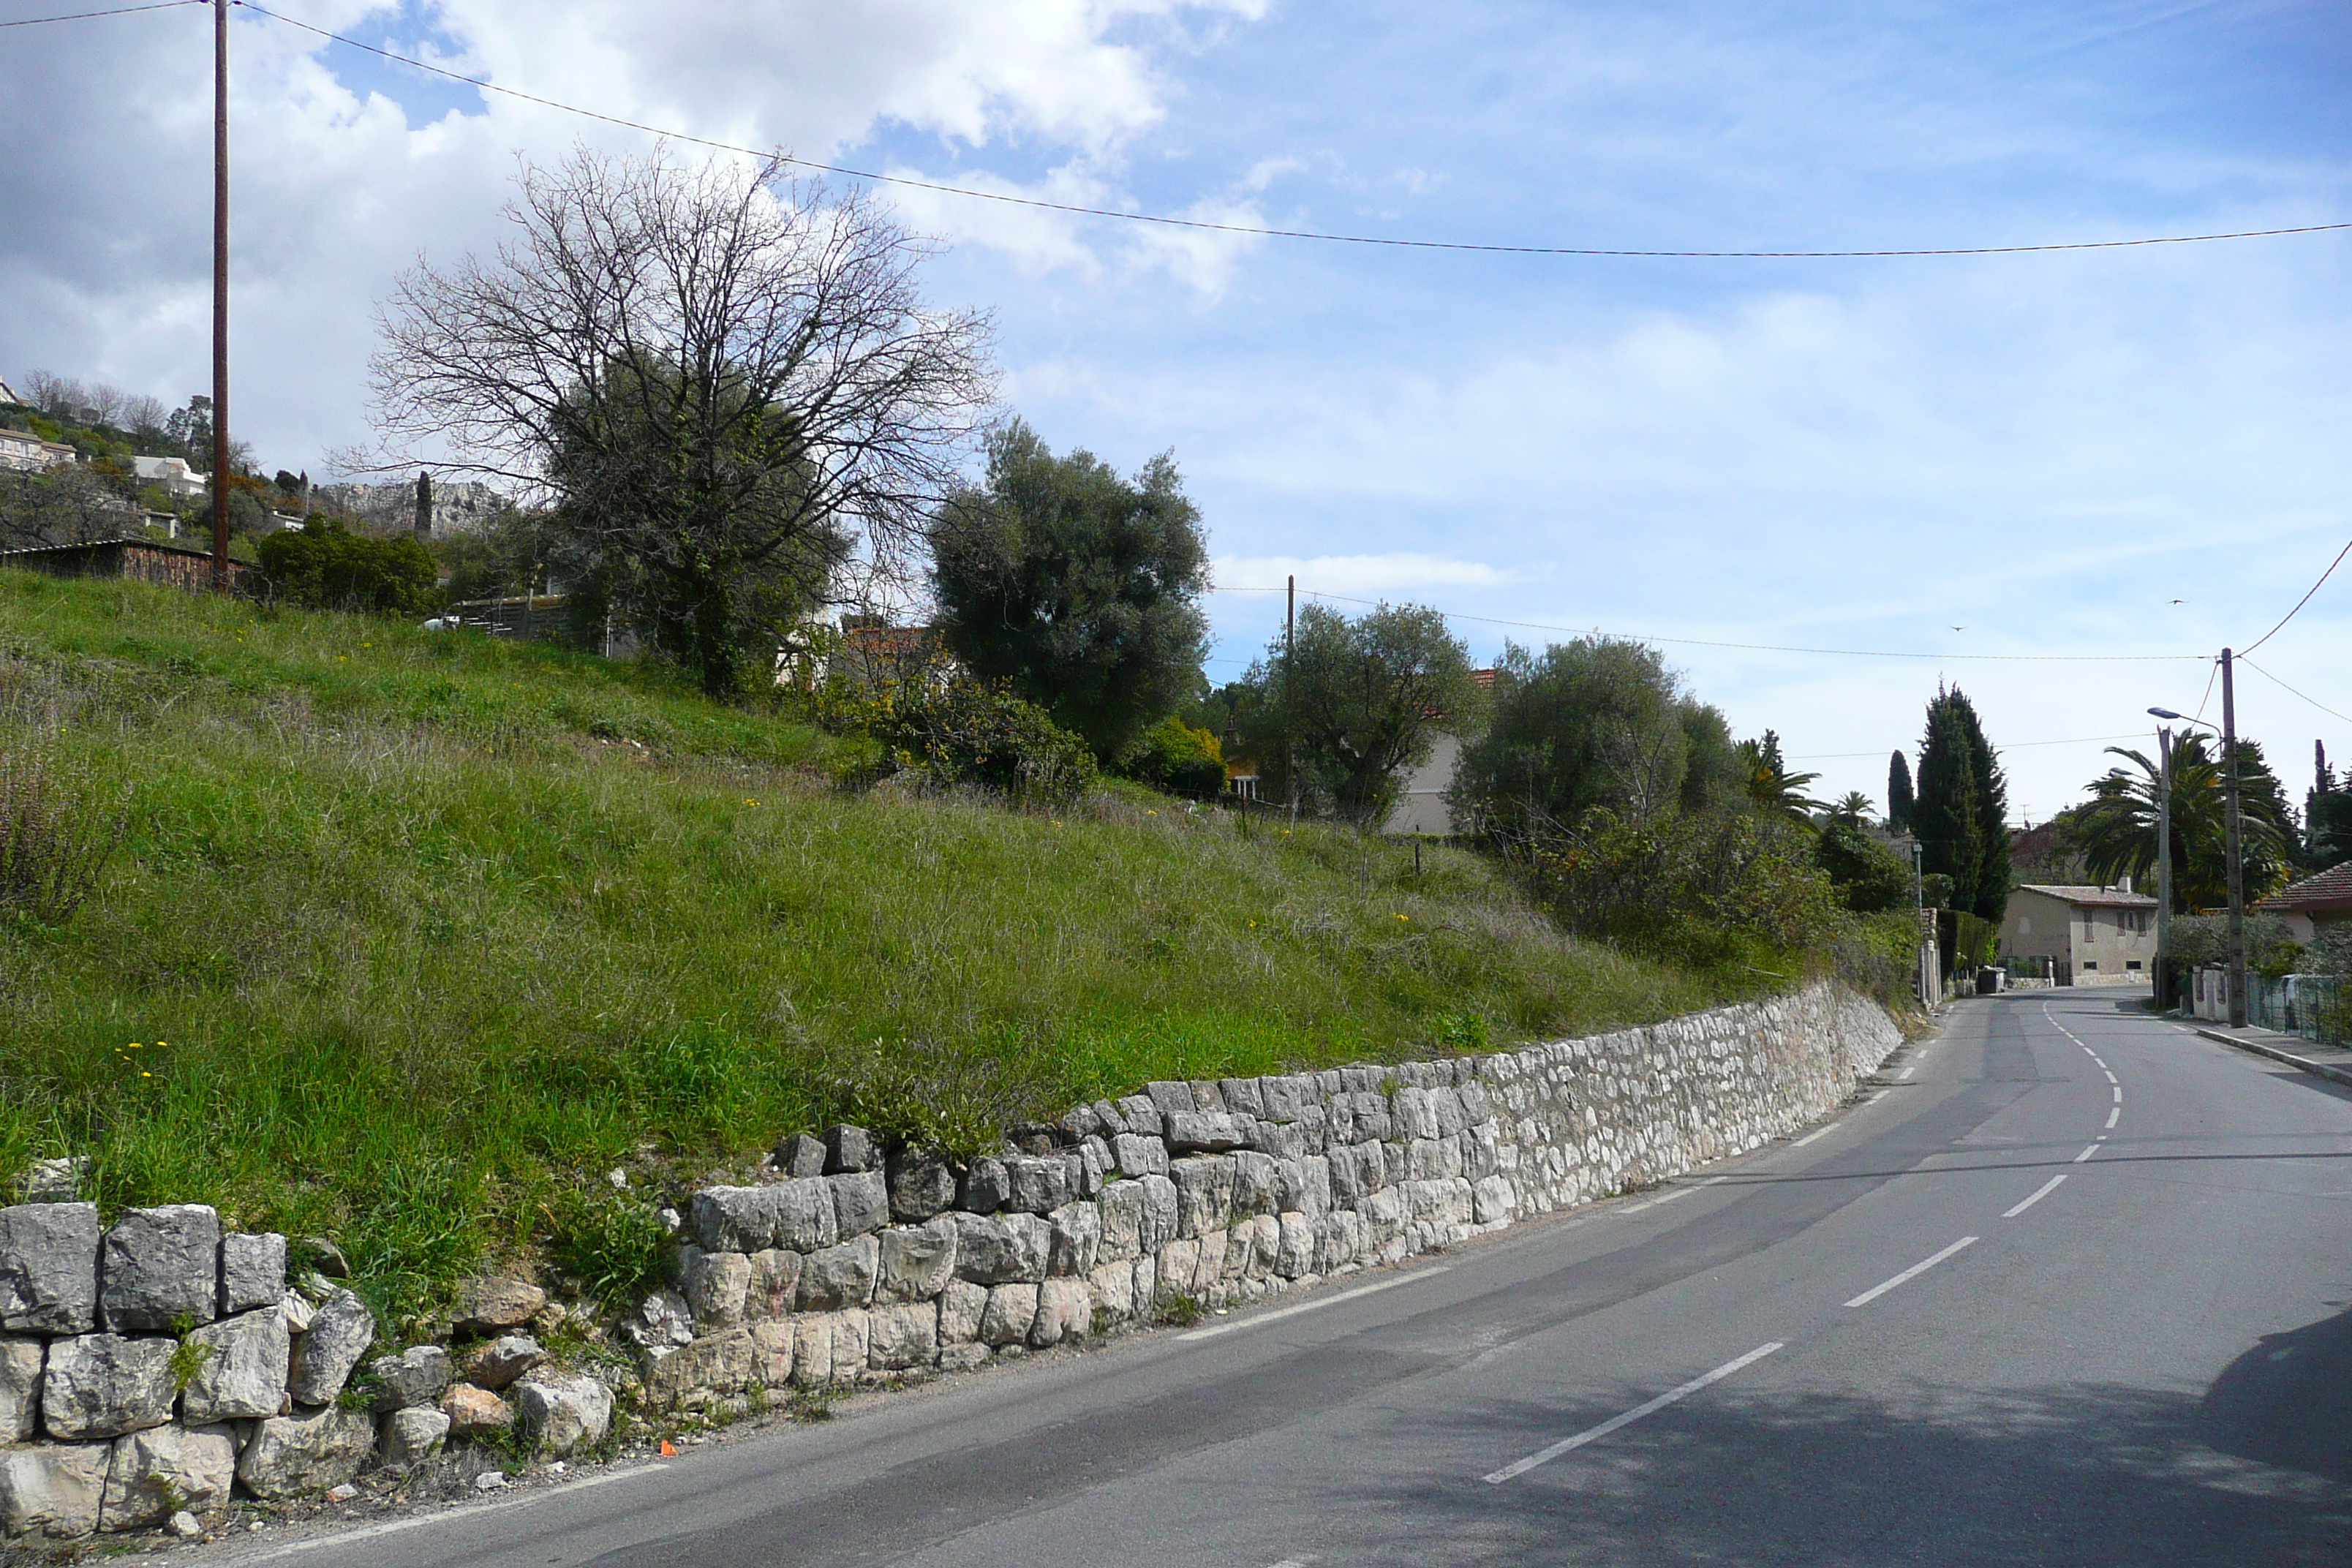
413,936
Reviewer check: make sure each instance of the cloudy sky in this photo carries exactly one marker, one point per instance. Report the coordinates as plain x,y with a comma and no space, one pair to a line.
2090,454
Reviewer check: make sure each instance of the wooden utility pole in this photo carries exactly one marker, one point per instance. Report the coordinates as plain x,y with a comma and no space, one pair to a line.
2237,863
1289,709
220,293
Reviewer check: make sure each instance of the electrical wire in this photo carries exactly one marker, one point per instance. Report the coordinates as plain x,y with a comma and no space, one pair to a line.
2009,746
2274,680
2299,604
1768,647
118,10
1260,232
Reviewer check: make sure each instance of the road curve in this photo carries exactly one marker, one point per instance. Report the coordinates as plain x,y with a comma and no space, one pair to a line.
2071,1289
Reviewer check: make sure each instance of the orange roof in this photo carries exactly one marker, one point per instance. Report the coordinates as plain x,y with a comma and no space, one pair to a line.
2329,892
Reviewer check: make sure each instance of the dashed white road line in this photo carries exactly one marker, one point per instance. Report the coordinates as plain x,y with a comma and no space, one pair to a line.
1809,1137
1255,1318
1650,1407
2112,1116
2040,1193
1875,1291
2087,1152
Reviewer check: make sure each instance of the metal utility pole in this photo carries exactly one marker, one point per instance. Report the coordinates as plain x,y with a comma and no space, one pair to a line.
2163,867
1923,945
1289,647
2237,865
220,293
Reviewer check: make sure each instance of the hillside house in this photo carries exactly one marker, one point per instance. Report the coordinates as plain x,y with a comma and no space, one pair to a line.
2313,904
2092,936
1421,805
27,453
179,481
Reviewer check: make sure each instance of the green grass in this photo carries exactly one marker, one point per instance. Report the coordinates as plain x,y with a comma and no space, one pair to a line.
414,936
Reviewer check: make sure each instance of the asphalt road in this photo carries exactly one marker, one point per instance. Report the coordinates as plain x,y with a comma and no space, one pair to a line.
2148,1362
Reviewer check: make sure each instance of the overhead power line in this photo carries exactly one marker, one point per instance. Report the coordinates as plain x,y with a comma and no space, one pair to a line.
86,15
1768,647
2010,746
2274,680
2299,604
1267,232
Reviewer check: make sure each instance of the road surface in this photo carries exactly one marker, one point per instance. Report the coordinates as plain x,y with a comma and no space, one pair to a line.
2071,1289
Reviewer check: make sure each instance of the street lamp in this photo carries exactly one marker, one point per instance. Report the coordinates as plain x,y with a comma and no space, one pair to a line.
2164,862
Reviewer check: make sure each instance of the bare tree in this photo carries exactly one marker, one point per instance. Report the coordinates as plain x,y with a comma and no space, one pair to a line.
71,506
718,378
58,396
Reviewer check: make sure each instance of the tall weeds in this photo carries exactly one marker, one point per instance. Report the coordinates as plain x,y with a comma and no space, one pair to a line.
57,834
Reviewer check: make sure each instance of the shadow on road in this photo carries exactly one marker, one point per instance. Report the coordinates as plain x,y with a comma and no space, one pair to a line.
2254,1473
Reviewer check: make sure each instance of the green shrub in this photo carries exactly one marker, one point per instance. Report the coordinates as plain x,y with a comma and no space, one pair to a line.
326,566
960,731
612,1242
1175,757
1870,878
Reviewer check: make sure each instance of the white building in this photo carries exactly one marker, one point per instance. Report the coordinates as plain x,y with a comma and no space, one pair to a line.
179,480
27,453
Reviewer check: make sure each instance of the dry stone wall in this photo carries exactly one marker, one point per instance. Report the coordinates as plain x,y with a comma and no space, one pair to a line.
850,1265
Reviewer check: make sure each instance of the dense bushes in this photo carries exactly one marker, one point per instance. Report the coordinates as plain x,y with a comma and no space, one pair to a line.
958,732
1175,757
1870,878
326,566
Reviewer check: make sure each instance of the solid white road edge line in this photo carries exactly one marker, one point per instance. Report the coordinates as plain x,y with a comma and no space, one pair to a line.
450,1516
1256,1319
1875,1291
2043,1191
1544,1456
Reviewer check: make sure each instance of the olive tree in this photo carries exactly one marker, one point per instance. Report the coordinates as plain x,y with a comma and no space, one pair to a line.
719,379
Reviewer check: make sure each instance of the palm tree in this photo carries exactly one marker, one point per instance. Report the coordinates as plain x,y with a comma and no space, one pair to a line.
1771,788
1853,808
2118,827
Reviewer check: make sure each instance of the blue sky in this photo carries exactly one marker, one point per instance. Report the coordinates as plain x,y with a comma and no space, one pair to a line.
1960,456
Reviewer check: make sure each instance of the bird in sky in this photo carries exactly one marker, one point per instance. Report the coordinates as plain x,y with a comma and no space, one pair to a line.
1960,629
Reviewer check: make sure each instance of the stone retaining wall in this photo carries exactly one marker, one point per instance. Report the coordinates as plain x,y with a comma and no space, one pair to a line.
850,1265
151,1371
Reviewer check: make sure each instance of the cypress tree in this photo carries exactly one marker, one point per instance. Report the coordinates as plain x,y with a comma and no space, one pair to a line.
1944,815
1898,794
1990,899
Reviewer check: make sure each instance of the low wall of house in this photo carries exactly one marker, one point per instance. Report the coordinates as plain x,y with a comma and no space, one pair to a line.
152,1370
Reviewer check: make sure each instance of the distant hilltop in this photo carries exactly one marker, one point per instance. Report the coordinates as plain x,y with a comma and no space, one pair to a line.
459,506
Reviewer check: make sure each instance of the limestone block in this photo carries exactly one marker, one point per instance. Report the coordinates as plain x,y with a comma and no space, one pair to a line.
800,1155
102,1385
562,1413
772,1352
21,1360
1339,1239
1424,1161
153,1475
840,1276
1294,1252
1374,1120
998,1249
243,1376
1113,1285
1141,1115
922,1183
917,1261
1171,1098
158,1266
1076,1242
1241,1249
775,1284
338,1336
849,1149
1383,1214
1476,1107
1256,1178
852,1338
1243,1096
497,1365
1284,1098
1147,1279
1266,1246
417,1376
1209,1132
902,1336
717,1287
1211,1265
710,1368
410,1437
1204,1193
252,1272
1096,1165
1066,1311
308,1451
1416,1117
475,1410
1312,1129
985,1185
797,1214
861,1202
54,1491
1037,1185
662,1322
48,1268
1178,1262
964,1357
1159,1213
1490,1200
1343,1167
1011,1310
961,1306
1122,1220
1141,1155
1282,1140
490,1305
1445,1104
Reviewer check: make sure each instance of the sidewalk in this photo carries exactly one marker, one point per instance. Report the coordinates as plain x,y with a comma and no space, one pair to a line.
2326,1061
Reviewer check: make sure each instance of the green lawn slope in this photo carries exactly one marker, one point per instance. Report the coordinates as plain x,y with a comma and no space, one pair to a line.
414,936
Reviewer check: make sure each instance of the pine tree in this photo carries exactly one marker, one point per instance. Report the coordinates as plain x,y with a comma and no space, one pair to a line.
1898,794
1947,815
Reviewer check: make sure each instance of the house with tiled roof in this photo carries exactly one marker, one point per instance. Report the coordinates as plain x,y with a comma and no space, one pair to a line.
2315,903
2092,936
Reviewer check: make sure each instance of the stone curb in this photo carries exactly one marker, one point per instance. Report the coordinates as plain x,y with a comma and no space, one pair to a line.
2317,1069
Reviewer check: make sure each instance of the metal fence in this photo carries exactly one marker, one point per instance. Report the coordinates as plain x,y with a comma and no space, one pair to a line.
2316,1007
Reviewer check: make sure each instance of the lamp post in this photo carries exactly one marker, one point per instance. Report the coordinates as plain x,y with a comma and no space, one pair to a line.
2163,861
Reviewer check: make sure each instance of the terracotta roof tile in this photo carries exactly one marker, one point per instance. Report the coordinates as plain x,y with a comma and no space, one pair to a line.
2102,897
2330,890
